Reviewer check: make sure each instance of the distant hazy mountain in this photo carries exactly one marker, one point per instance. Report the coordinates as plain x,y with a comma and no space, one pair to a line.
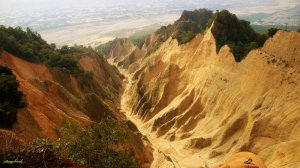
290,16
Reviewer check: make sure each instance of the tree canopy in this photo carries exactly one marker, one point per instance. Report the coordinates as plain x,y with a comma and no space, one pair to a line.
190,24
100,145
30,46
10,98
237,34
186,27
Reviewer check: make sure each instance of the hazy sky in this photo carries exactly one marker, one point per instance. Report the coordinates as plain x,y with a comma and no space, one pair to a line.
91,20
240,6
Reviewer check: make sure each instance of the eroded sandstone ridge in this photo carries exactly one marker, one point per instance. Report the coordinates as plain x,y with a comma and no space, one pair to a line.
199,107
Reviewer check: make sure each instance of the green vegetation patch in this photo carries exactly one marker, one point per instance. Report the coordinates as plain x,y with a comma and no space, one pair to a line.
184,29
30,46
190,24
237,34
10,98
101,145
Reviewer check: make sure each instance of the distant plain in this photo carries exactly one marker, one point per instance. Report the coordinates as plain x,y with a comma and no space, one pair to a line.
91,22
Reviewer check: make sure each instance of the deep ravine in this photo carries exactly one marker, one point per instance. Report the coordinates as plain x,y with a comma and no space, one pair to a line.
162,150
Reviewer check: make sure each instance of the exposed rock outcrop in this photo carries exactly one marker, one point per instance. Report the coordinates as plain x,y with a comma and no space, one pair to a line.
53,96
184,94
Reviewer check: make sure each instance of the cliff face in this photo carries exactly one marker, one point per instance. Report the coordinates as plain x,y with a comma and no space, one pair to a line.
198,105
126,54
53,96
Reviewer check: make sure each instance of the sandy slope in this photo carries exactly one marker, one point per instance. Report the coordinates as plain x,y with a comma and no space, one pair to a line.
53,96
198,107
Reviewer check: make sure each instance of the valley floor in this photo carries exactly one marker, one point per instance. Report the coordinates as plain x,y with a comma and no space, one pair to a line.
164,152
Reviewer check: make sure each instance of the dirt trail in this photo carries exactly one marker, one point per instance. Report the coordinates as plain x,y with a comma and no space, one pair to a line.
164,154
